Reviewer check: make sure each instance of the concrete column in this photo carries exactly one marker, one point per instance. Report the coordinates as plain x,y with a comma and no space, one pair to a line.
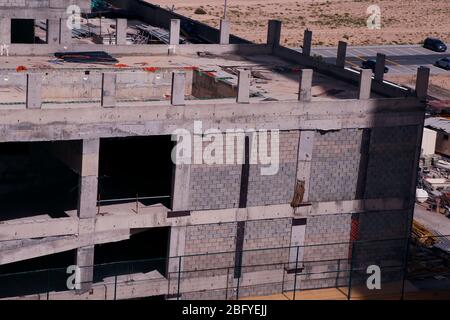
341,54
121,31
180,202
53,31
87,209
34,91
174,37
274,33
307,39
379,67
243,95
178,88
5,31
65,33
422,81
305,149
85,262
365,84
109,83
224,32
304,92
177,243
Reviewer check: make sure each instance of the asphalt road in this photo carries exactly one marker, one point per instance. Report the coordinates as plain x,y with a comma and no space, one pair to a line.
401,59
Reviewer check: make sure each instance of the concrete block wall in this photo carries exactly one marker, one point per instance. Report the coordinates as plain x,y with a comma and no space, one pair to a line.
391,161
278,188
382,236
214,186
263,234
217,242
335,165
218,186
326,251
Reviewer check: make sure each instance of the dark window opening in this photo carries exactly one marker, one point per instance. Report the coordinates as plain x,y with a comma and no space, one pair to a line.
144,252
22,31
34,182
37,275
137,167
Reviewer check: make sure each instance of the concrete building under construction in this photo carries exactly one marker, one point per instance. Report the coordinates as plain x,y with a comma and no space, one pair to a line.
87,177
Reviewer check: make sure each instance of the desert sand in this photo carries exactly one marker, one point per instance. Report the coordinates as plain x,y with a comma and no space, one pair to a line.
402,21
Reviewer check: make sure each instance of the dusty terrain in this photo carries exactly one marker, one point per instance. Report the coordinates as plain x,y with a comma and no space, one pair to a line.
402,22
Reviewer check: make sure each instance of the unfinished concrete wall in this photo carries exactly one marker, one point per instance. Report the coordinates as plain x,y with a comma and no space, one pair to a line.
264,234
277,188
335,165
382,242
213,246
88,84
322,262
391,161
214,187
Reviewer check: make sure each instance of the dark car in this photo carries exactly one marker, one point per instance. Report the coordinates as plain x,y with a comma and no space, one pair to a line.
371,64
434,44
443,63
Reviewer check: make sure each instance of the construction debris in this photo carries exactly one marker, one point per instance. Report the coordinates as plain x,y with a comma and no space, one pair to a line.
422,235
99,57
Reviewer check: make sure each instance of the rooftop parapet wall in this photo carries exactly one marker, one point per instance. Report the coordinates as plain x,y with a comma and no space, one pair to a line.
303,60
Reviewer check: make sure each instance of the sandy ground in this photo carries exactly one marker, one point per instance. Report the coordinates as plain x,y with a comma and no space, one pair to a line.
402,22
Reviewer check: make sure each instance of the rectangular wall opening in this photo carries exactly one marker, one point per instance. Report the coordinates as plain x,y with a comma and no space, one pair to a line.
144,252
135,168
34,182
37,275
22,31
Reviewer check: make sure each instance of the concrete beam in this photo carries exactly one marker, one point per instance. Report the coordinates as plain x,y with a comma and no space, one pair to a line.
90,121
5,31
307,42
178,88
34,91
422,82
379,67
224,32
243,86
38,228
341,54
274,33
305,84
47,246
121,31
174,37
109,83
365,84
